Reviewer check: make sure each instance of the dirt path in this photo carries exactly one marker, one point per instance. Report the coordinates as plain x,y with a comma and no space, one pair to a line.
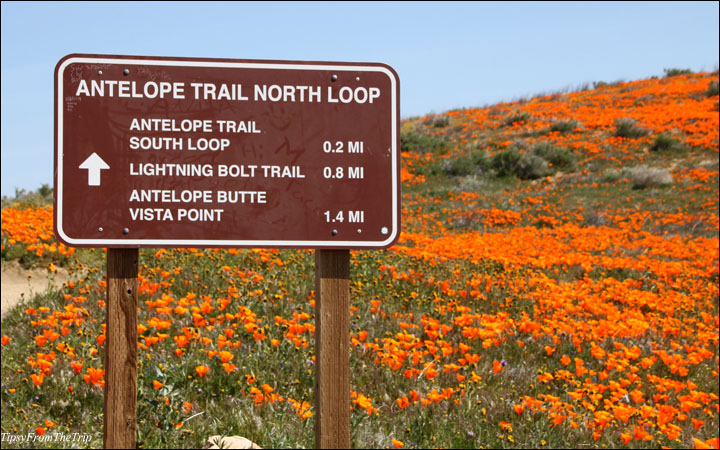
19,283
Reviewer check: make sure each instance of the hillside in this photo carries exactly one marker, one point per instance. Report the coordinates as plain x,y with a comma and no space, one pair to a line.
592,153
555,286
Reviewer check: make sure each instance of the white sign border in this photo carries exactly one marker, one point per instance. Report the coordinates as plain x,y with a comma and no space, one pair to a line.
210,243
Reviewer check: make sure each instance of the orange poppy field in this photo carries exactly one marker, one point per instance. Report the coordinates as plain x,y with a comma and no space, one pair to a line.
555,286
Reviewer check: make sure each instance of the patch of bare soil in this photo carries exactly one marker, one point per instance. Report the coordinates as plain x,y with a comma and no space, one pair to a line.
18,283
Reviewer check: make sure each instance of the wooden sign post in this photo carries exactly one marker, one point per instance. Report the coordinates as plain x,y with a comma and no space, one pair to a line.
121,348
332,346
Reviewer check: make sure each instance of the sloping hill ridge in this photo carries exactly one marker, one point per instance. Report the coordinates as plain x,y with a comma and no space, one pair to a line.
578,151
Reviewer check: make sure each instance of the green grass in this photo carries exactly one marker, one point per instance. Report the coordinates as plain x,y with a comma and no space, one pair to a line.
43,196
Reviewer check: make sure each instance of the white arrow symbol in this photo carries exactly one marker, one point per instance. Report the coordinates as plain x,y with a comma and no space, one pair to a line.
94,164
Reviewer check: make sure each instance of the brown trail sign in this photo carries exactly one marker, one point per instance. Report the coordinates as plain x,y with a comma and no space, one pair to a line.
190,152
160,152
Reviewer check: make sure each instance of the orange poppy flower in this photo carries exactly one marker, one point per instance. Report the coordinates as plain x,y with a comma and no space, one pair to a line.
202,370
497,366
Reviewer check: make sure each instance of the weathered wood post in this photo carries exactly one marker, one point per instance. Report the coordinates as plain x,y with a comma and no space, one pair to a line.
121,348
332,344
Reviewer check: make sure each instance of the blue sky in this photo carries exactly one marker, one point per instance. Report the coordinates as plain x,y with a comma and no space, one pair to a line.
448,55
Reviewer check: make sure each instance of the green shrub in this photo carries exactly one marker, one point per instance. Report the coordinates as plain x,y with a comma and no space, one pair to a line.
458,167
526,166
611,176
643,177
565,126
440,122
712,89
664,143
505,163
628,128
413,141
675,72
602,84
517,117
559,157
475,163
531,167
